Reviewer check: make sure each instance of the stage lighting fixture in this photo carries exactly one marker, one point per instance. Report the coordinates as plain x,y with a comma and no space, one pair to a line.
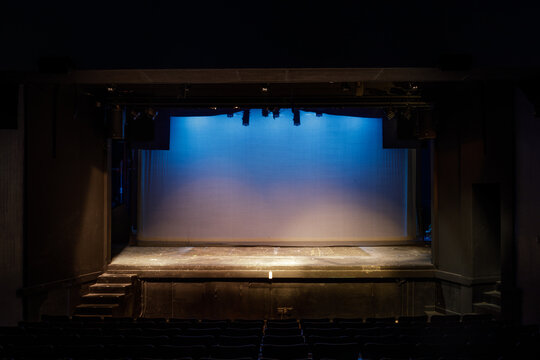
245,118
265,112
230,114
296,117
390,114
275,113
150,113
318,113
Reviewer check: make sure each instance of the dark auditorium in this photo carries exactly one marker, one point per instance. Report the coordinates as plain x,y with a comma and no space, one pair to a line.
269,180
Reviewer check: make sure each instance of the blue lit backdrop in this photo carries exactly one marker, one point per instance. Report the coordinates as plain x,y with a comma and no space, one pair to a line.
328,180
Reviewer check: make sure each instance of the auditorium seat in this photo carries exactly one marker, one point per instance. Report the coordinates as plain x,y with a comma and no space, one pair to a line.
343,351
128,350
210,324
17,339
349,320
243,331
323,332
282,340
283,331
297,351
378,339
181,323
242,323
311,340
112,331
239,340
371,331
58,339
31,351
166,330
282,324
421,319
356,325
475,318
377,350
86,351
182,351
101,339
314,321
318,325
231,352
203,331
383,320
146,340
205,340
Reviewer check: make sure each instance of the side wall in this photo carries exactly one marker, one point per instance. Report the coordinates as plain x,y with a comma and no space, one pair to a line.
527,227
474,165
11,218
66,223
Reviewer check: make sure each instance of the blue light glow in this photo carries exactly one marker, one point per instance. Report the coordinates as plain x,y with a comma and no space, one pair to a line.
328,179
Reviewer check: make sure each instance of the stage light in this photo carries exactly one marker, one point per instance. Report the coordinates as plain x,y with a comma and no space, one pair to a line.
265,112
296,117
390,114
245,118
230,114
275,113
269,275
318,113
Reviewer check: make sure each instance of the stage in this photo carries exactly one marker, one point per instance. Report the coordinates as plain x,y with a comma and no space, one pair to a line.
305,282
285,262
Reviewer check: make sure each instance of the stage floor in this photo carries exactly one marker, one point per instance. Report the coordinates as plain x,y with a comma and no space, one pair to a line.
284,262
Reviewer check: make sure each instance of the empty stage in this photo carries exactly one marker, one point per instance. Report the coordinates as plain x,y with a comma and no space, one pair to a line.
307,282
255,262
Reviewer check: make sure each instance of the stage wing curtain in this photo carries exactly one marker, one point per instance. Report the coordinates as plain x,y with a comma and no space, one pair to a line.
327,181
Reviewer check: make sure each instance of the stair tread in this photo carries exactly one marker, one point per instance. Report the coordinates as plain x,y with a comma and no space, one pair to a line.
97,305
493,293
487,305
104,295
117,275
111,285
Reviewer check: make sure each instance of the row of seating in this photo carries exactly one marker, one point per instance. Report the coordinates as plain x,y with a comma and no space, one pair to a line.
465,318
286,339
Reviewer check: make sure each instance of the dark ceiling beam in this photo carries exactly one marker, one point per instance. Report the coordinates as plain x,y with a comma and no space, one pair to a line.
240,76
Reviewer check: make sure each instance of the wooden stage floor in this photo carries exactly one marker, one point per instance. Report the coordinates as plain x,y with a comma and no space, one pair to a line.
284,262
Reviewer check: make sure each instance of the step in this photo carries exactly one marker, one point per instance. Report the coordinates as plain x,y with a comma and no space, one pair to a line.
96,309
493,297
110,278
116,288
487,308
103,298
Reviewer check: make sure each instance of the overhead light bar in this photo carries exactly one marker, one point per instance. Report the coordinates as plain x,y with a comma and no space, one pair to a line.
296,117
245,118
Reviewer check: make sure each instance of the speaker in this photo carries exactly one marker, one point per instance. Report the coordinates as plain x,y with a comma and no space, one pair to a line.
115,122
148,129
405,129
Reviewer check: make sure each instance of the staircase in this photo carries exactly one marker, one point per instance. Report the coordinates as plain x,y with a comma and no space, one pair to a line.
491,302
113,295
